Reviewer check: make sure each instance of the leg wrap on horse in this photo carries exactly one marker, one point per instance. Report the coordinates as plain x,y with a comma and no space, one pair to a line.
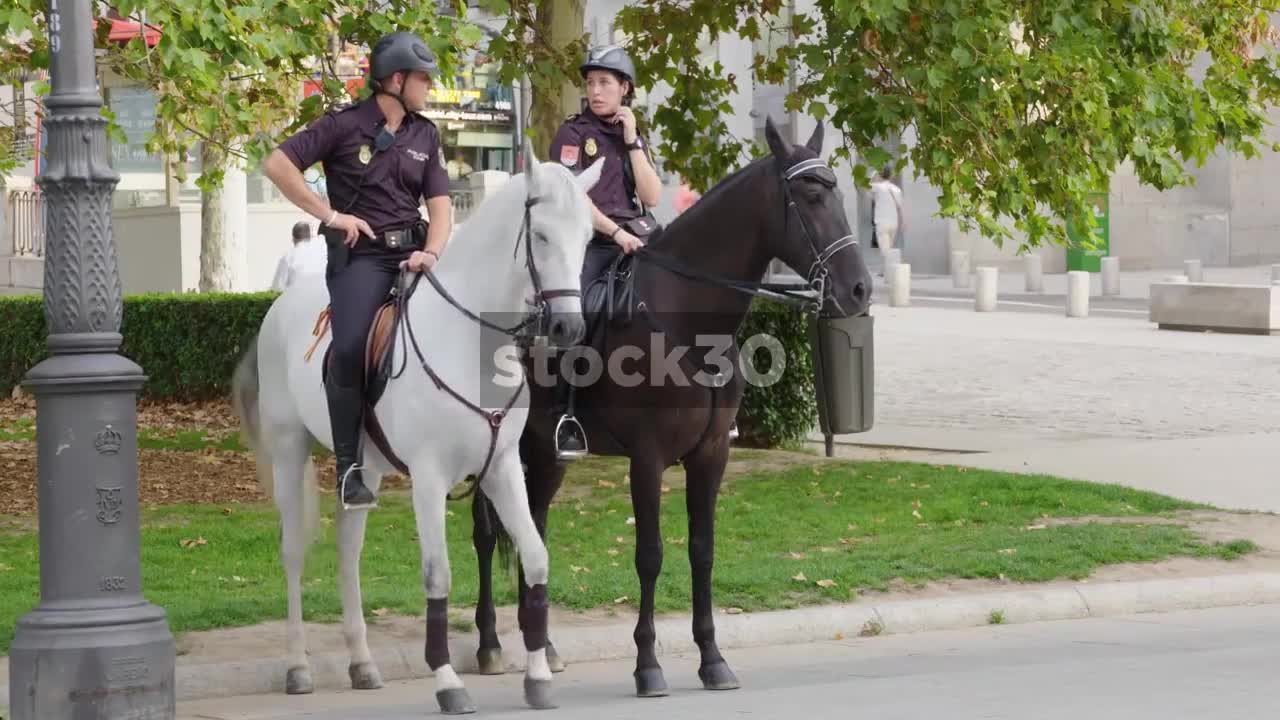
437,653
533,618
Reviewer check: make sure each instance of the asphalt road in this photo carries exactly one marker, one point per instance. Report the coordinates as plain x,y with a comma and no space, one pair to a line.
1202,665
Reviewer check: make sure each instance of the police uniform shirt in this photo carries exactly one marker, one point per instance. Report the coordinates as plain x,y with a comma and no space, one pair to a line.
395,180
581,141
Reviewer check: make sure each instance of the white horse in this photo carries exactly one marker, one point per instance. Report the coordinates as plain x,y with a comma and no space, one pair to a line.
520,252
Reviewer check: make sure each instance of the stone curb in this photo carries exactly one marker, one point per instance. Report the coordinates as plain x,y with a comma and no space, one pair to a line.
196,681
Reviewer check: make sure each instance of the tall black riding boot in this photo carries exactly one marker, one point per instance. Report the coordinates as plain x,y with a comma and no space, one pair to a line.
346,414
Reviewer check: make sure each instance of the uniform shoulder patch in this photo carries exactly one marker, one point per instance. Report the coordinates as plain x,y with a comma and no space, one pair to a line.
569,155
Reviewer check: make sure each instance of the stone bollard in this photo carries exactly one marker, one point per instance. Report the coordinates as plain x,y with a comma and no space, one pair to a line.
1034,269
1078,293
900,286
1193,271
1110,276
892,259
984,300
1275,274
959,268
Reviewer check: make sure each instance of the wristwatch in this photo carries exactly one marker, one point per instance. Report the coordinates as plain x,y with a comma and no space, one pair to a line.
635,145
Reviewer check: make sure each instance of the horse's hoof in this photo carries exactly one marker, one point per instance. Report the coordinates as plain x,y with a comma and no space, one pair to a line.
298,681
455,701
537,694
553,659
364,676
650,683
718,677
491,662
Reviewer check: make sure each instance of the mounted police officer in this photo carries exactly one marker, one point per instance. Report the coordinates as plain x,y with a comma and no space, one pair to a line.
381,159
629,185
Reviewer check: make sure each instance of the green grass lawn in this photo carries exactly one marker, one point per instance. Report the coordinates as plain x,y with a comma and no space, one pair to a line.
859,526
24,429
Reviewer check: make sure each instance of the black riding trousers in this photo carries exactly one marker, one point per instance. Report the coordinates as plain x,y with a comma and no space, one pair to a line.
355,293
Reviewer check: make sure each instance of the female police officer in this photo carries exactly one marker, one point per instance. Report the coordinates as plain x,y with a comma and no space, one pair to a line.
381,159
607,128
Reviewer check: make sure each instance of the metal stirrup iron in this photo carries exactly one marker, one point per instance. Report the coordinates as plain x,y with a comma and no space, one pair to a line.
342,491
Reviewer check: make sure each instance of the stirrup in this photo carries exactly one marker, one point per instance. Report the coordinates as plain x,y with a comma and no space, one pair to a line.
574,427
342,491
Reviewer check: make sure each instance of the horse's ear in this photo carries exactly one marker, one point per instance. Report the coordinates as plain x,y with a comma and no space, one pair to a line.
530,158
531,164
780,148
815,140
588,178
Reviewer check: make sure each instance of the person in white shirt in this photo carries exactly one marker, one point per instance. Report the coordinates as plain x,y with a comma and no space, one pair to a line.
887,217
305,257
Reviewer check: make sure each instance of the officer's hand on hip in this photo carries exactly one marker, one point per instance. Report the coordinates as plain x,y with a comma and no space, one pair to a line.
628,120
353,227
420,260
628,242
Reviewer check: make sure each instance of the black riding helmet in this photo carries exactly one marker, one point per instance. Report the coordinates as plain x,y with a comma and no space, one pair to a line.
614,59
399,52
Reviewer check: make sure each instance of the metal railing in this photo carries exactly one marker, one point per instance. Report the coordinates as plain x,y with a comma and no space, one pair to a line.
26,222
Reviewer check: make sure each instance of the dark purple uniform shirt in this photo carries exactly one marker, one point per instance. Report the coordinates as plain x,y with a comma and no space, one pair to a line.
581,141
395,180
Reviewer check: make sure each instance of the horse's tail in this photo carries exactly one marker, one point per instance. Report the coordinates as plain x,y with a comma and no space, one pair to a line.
488,524
244,398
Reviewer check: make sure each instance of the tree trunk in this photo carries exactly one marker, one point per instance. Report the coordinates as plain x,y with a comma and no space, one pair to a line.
561,22
213,260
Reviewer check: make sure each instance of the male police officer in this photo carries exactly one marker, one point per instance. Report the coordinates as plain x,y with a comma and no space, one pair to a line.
381,159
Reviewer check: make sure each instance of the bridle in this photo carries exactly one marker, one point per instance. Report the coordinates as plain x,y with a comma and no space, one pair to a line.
537,316
818,271
810,294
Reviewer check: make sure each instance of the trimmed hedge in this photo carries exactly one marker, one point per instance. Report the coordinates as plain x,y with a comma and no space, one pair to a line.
189,344
784,412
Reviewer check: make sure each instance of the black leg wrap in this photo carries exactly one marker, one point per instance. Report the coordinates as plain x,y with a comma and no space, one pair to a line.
437,633
533,618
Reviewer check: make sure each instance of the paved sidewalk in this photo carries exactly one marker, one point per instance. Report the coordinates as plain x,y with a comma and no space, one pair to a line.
1103,399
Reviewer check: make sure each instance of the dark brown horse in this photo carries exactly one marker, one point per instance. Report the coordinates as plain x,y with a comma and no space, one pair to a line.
783,206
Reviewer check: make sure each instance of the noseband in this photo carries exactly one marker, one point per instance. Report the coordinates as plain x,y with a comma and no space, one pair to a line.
818,271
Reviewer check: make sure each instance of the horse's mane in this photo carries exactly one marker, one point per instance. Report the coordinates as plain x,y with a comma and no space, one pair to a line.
731,182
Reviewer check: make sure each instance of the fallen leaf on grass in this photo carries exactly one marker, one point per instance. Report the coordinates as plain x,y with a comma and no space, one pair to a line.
916,514
631,521
795,555
826,549
607,484
826,583
576,569
613,552
799,577
190,542
619,601
1035,527
1009,551
380,612
733,611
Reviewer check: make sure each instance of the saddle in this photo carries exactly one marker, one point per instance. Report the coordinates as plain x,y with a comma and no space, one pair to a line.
377,366
609,300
